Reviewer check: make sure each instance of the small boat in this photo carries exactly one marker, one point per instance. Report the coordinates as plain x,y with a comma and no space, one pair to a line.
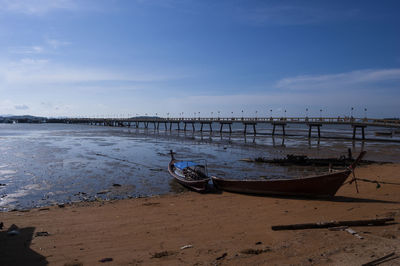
189,174
304,160
315,186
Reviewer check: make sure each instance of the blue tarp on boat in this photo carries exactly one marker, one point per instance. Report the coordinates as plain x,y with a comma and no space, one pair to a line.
183,164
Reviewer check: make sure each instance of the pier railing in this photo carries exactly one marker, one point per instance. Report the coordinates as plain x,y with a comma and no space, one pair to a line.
287,120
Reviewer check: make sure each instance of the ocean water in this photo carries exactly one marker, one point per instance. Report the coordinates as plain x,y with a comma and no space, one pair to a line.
44,164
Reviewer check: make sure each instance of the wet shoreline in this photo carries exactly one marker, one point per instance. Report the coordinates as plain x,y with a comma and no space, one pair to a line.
43,165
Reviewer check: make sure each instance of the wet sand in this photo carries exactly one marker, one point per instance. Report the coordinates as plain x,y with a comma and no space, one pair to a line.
222,229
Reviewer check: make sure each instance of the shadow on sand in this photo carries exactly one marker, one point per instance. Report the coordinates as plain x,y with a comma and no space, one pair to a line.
333,199
15,248
175,187
361,200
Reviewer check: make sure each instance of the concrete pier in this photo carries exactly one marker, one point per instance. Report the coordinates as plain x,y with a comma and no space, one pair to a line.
225,123
250,124
281,124
355,126
206,123
317,125
310,122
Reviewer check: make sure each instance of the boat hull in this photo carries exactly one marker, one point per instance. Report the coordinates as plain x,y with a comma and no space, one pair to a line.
196,185
318,186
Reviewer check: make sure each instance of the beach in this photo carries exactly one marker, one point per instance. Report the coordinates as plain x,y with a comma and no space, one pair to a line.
209,229
138,132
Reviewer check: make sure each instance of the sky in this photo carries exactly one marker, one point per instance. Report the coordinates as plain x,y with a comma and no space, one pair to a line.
120,58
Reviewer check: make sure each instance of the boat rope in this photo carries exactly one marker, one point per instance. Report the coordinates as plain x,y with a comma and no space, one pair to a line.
126,161
373,181
378,183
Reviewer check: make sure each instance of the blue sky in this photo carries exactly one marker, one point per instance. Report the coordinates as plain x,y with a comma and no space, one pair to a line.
119,58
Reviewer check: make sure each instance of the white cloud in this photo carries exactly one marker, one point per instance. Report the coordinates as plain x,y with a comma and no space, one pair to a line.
56,43
336,93
35,7
38,72
354,80
28,50
49,46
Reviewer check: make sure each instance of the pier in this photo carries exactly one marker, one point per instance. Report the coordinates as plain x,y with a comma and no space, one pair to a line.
246,122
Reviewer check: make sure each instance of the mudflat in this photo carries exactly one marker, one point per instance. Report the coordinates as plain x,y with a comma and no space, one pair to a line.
209,229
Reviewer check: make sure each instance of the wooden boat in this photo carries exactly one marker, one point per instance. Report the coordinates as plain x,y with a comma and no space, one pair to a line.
189,174
304,160
315,186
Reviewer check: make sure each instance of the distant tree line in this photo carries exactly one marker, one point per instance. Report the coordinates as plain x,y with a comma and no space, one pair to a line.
22,119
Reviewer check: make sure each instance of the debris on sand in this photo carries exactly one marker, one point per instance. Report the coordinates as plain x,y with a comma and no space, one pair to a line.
150,203
161,254
186,246
44,233
383,259
368,222
222,256
106,260
253,251
103,192
354,233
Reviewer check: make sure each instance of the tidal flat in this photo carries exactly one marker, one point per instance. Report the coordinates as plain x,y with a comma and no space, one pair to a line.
45,164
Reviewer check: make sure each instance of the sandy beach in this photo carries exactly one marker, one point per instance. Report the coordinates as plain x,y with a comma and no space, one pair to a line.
209,229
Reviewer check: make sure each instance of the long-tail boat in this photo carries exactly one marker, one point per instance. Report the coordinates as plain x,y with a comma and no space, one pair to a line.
189,174
315,186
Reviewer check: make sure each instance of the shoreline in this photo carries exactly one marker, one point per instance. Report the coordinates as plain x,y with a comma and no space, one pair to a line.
221,229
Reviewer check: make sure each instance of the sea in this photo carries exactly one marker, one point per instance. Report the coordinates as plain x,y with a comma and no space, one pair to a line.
46,164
